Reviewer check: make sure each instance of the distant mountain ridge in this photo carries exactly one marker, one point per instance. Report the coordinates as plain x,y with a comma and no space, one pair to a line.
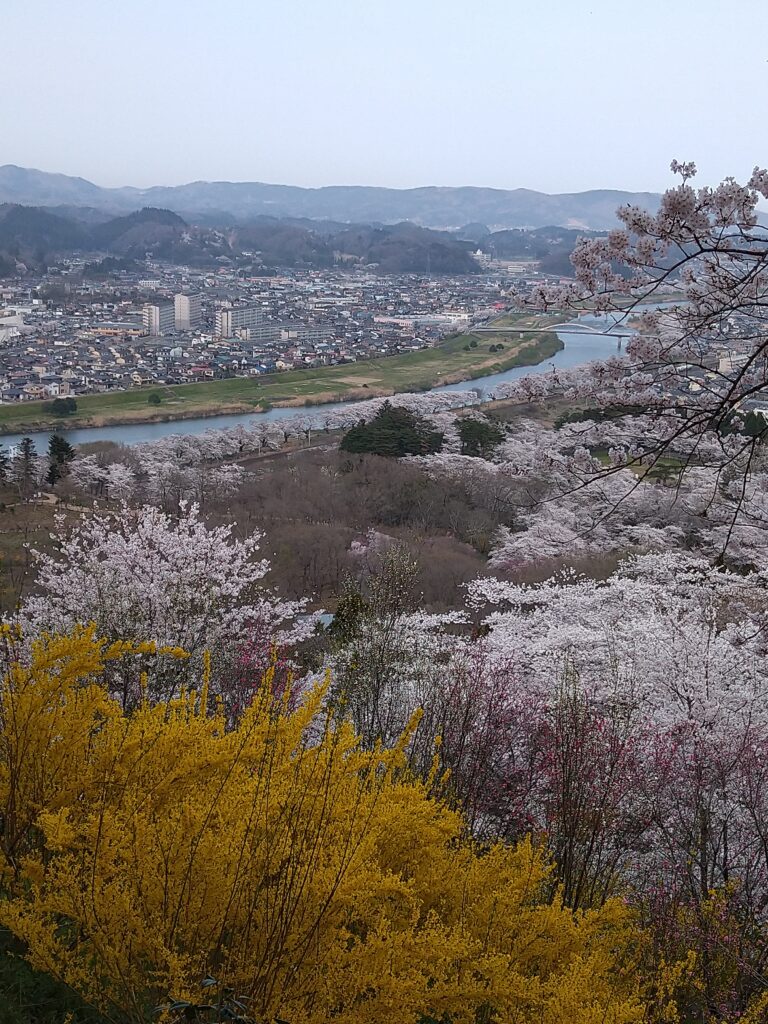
442,208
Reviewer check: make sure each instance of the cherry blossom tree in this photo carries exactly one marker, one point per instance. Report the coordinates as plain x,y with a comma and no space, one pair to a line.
87,472
572,497
142,574
120,481
692,279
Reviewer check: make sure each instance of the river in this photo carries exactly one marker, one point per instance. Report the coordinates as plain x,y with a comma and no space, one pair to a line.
579,348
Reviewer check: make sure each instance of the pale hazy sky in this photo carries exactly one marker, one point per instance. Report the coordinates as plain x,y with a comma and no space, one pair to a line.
558,95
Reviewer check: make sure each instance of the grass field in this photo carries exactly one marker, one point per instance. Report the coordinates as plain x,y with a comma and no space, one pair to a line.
526,321
414,371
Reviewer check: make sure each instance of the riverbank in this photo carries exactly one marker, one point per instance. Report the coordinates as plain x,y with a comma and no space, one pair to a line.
460,358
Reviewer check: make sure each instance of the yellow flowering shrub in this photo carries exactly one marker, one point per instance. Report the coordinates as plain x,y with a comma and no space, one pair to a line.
144,851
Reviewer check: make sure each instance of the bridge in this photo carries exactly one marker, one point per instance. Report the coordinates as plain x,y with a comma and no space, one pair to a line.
571,328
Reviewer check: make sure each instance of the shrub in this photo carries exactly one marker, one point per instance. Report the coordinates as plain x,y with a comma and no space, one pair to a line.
61,406
144,851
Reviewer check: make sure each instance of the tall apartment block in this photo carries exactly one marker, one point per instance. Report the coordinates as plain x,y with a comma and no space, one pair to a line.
234,318
159,318
187,311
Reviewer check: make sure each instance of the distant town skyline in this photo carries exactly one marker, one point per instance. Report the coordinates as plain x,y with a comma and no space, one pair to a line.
560,96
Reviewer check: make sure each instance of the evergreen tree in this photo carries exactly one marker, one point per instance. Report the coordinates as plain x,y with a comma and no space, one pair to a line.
394,432
478,437
60,454
24,467
61,406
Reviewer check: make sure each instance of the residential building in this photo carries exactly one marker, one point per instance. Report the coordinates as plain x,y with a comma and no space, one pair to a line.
232,318
159,318
188,312
304,332
264,333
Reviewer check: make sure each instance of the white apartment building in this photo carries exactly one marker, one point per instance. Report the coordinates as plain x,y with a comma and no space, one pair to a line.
264,333
187,311
232,318
304,332
159,318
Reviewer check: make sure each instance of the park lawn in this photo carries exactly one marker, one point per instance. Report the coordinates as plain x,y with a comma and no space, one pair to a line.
665,468
412,371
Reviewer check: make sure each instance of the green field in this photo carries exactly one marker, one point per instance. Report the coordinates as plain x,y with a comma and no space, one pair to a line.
525,321
415,371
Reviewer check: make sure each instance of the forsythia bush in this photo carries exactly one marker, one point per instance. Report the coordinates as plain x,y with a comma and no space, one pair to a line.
144,851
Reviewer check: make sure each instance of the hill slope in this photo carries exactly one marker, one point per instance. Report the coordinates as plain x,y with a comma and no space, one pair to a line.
35,236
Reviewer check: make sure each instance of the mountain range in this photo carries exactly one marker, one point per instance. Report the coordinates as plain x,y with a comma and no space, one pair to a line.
219,202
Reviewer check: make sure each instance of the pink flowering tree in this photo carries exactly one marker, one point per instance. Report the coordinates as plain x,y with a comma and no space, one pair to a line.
697,367
140,574
649,693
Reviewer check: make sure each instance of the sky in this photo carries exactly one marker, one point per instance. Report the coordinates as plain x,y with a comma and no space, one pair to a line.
555,95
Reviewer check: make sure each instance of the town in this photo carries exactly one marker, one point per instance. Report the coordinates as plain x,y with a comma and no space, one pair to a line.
64,333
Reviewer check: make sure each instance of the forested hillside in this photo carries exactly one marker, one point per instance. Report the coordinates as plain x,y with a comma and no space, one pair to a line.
35,236
32,237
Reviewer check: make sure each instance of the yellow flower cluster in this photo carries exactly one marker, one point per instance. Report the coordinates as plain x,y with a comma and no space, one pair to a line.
143,851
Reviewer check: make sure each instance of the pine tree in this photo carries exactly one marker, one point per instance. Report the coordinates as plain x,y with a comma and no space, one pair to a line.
60,454
394,432
478,437
24,467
